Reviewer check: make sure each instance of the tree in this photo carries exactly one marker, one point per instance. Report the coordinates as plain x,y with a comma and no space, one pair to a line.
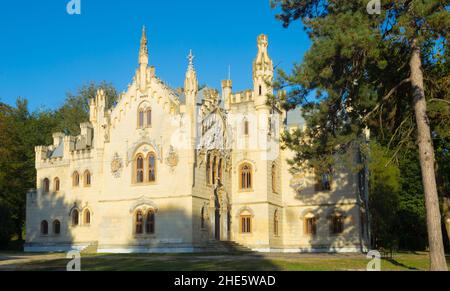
76,107
368,73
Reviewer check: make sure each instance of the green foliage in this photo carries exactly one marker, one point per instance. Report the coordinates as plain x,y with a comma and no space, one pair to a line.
20,132
356,76
76,107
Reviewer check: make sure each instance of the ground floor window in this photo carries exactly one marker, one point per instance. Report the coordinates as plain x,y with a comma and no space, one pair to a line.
44,227
246,224
56,227
310,225
337,224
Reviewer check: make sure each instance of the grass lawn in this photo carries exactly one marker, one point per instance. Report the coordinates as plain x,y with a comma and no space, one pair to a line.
212,262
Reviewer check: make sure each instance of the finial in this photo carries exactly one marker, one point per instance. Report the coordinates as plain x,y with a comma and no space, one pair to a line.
143,50
191,60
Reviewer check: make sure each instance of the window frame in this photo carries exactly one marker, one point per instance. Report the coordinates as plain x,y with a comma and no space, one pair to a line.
245,220
57,185
56,222
44,228
75,179
246,177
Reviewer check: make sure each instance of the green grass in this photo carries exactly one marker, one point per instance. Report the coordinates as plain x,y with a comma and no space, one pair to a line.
237,262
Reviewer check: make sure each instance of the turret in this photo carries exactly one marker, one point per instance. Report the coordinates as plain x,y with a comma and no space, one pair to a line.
262,73
227,87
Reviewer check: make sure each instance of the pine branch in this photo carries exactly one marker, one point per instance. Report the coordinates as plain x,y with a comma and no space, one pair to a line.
439,100
393,90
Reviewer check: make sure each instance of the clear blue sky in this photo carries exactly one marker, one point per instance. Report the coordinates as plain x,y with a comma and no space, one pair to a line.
45,52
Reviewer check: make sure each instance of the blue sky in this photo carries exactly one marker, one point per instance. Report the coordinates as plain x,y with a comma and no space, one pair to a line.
45,52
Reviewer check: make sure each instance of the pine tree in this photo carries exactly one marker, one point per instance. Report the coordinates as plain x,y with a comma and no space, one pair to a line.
369,72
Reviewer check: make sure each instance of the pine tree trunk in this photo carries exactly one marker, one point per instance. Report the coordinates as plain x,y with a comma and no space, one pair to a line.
427,159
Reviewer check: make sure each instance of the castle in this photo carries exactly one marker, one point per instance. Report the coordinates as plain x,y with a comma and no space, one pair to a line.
177,171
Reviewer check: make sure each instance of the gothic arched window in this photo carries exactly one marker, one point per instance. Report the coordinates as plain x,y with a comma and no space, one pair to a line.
87,217
246,127
56,227
245,177
151,167
56,185
87,179
75,179
148,115
46,185
75,217
139,222
139,169
150,223
44,227
141,118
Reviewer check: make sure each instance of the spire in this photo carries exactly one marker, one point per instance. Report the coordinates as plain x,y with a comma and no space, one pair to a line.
190,83
191,61
143,51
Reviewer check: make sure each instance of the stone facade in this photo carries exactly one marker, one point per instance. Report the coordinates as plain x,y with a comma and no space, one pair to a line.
173,171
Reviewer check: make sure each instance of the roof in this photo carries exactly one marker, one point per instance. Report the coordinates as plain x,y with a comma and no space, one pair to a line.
58,152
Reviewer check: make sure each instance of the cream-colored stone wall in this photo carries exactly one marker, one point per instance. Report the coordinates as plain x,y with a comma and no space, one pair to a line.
110,141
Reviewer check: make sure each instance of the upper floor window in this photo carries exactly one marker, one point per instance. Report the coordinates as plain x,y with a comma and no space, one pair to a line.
141,119
87,179
75,179
310,224
44,227
151,167
245,177
75,217
139,169
148,115
323,182
56,185
274,178
46,185
87,217
56,227
246,127
208,169
260,90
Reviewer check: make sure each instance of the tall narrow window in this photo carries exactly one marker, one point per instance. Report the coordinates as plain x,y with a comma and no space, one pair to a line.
44,227
214,170
246,127
87,217
245,176
75,179
46,185
275,223
203,218
274,178
139,221
208,169
87,179
141,119
310,225
151,167
246,224
219,169
260,90
139,169
75,217
56,185
56,227
150,224
148,115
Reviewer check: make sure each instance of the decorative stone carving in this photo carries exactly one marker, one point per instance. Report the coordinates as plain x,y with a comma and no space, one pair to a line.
144,140
298,182
172,159
116,165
